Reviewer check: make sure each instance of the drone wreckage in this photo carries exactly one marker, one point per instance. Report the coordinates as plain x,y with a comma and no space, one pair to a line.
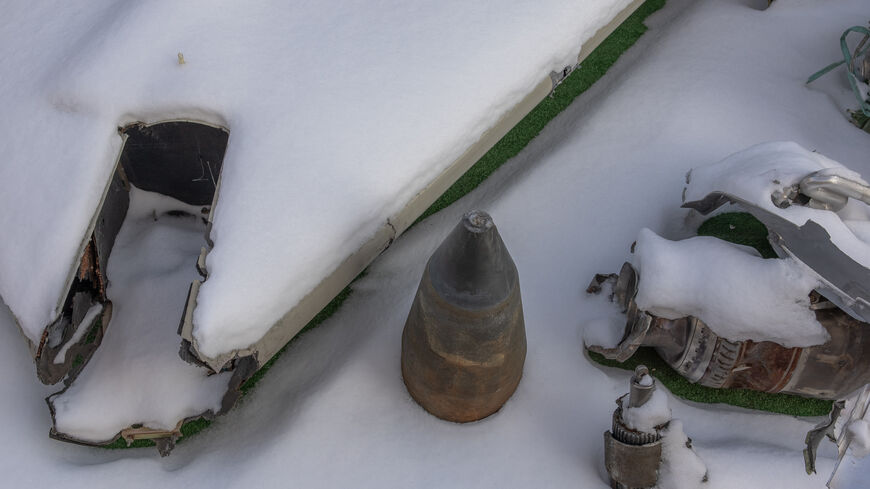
264,272
815,212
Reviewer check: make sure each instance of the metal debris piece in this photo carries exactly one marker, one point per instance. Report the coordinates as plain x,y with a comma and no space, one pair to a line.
815,436
828,371
181,159
845,282
464,342
831,192
632,457
850,470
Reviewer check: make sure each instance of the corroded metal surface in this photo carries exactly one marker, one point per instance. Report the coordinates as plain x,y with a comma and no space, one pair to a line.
828,371
631,457
464,342
631,466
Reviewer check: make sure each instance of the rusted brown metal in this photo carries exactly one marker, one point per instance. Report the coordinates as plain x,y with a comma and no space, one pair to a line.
828,371
464,342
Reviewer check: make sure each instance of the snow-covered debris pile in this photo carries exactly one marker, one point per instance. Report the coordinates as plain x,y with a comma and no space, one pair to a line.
724,317
308,178
739,295
815,210
308,184
770,172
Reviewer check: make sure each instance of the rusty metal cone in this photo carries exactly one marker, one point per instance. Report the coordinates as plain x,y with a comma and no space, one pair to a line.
464,343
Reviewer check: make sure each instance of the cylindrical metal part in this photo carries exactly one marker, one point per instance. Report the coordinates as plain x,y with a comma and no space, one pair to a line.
828,371
632,457
464,342
642,387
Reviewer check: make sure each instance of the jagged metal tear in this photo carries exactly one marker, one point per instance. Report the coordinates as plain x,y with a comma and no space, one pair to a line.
181,159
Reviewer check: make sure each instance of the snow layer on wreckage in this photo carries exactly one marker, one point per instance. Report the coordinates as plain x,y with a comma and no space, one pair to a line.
308,177
757,173
732,290
136,378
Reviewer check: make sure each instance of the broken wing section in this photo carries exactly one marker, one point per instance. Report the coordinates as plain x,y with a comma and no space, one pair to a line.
69,342
802,198
152,225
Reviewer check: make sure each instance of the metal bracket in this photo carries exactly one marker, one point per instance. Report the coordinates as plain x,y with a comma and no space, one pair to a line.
557,77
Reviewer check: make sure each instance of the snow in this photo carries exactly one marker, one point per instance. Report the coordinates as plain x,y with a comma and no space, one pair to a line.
339,114
83,328
653,413
738,295
709,79
859,431
852,432
681,467
136,376
605,332
756,173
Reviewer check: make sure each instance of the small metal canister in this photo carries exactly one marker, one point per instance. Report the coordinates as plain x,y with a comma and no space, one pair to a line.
632,458
464,342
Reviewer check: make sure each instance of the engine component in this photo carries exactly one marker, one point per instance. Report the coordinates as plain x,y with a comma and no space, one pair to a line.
828,371
632,457
464,342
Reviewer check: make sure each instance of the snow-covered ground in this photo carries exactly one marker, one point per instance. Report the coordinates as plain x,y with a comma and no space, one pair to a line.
710,78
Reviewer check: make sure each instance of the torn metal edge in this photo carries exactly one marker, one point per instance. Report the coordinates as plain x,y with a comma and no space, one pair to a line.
164,439
243,367
36,349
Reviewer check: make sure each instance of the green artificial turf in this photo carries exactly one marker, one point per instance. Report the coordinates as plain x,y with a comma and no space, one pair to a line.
740,228
679,386
593,68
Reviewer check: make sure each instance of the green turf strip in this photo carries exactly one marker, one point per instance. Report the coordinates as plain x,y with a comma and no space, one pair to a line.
593,68
740,228
679,386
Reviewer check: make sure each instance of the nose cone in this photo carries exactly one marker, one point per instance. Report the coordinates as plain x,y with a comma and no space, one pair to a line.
464,342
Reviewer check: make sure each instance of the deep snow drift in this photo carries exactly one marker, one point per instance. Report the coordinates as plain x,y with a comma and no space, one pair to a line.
709,79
